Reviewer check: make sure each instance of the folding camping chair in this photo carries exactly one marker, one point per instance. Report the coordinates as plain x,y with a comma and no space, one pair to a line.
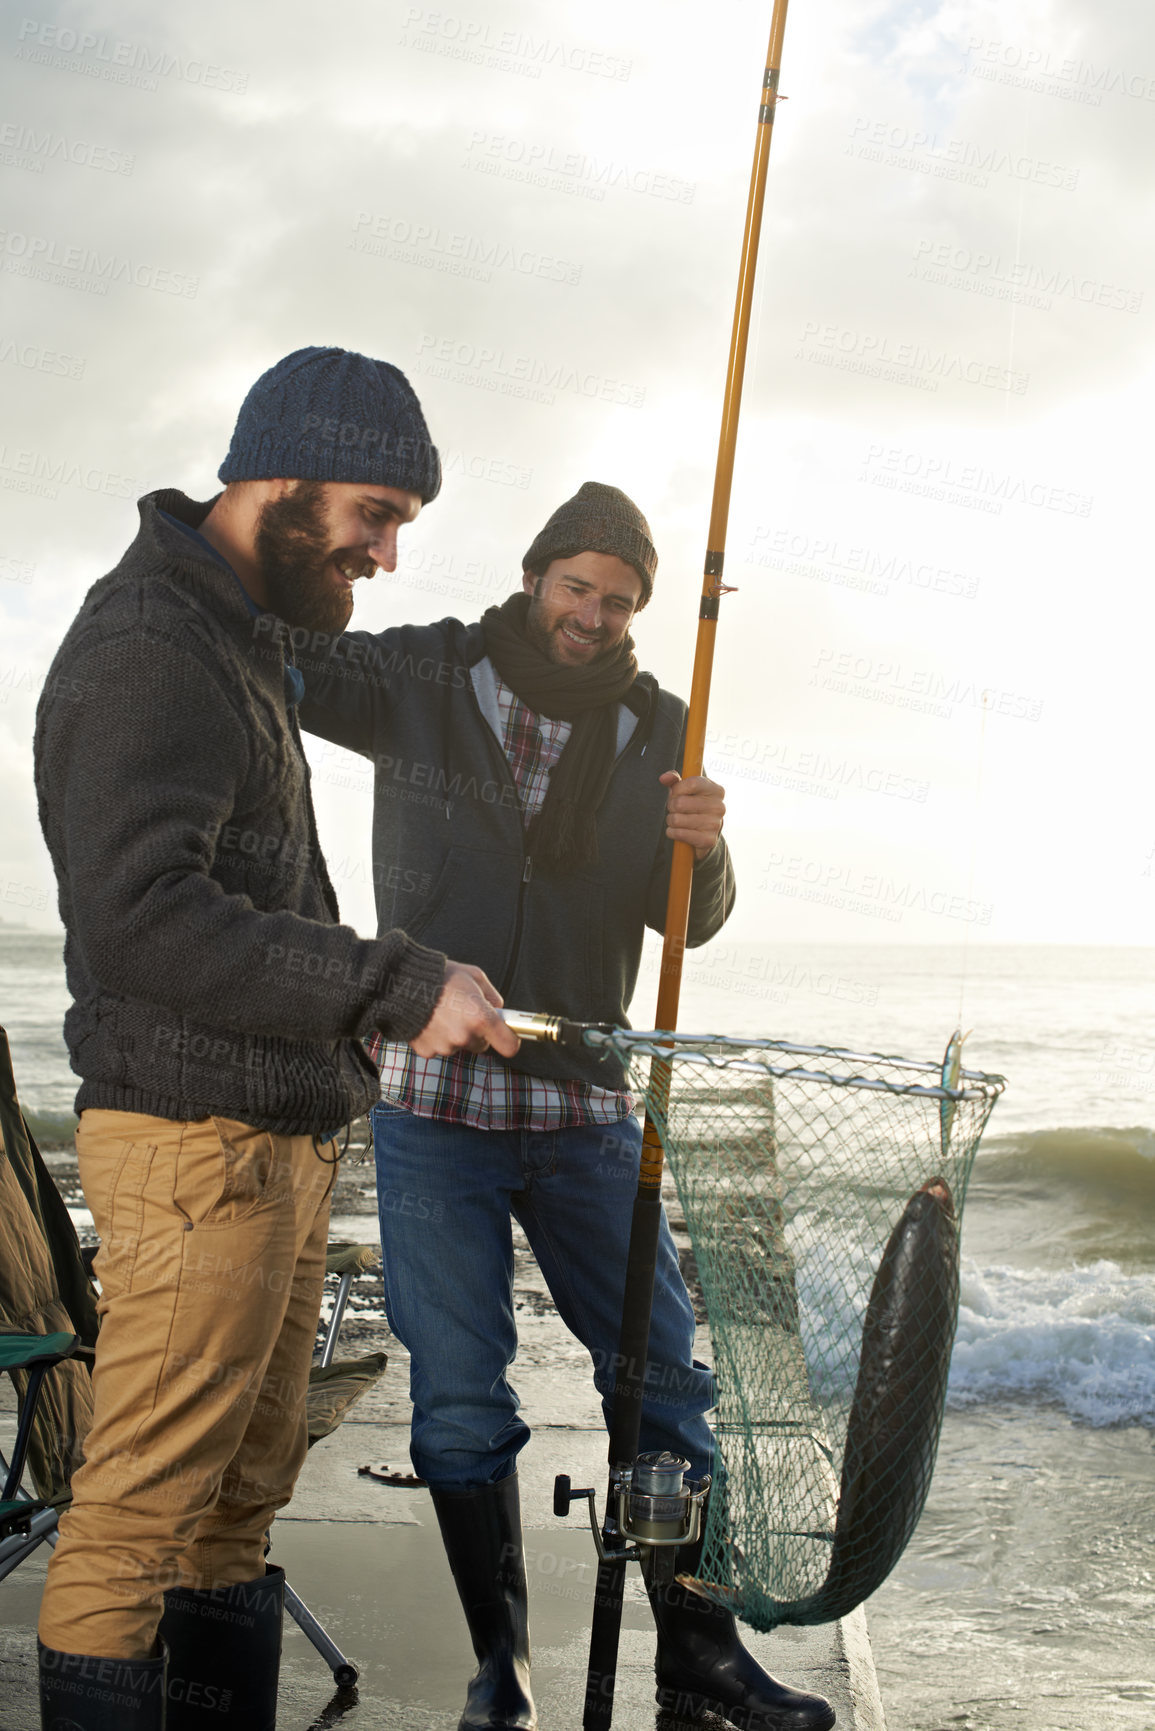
36,1355
48,1327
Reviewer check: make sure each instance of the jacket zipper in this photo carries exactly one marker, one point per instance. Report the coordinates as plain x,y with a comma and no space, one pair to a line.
527,858
527,868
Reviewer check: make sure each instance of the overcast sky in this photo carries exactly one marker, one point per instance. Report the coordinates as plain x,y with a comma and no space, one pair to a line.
931,705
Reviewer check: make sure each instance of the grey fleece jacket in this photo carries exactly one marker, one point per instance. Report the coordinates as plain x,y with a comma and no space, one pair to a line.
208,973
449,846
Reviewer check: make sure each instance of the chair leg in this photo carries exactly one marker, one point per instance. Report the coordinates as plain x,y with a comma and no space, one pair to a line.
24,1431
345,1674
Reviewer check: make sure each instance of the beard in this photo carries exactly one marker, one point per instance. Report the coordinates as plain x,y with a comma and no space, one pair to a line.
292,545
548,639
546,636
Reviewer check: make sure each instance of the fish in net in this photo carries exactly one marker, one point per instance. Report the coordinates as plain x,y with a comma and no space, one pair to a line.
823,1193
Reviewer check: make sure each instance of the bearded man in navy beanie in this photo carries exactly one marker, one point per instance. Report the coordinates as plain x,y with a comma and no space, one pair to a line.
217,1025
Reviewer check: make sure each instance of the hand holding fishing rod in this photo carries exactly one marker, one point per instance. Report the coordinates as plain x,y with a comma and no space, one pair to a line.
466,1017
694,811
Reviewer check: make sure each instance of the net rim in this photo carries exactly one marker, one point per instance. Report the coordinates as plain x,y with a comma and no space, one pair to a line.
654,1043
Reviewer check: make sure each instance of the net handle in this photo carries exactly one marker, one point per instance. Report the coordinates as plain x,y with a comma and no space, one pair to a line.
659,1044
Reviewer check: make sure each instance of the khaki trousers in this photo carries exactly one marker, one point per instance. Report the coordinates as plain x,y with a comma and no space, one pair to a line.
212,1258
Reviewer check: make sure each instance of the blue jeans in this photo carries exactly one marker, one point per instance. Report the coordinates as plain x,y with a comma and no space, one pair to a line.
445,1193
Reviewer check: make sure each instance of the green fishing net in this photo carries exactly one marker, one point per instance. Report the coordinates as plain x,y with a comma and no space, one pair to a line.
823,1193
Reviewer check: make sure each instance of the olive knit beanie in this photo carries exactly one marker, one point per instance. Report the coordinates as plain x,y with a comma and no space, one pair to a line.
598,519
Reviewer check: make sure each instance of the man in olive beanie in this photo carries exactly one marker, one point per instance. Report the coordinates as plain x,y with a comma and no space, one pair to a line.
532,780
598,519
218,1015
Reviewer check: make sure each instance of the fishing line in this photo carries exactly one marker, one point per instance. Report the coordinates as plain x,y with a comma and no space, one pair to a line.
984,706
986,700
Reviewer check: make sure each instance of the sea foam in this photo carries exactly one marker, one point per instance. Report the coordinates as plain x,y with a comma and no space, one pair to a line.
1081,1337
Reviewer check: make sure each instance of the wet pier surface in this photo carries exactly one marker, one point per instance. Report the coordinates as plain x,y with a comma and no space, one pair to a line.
367,1558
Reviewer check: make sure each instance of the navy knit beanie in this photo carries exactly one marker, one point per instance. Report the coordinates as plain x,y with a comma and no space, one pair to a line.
334,415
598,519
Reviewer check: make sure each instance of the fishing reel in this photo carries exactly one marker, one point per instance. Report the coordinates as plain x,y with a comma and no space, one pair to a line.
654,1510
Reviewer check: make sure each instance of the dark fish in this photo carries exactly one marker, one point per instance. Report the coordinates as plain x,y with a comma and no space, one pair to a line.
892,1435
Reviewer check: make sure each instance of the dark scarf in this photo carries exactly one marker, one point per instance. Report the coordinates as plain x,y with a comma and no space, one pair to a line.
563,836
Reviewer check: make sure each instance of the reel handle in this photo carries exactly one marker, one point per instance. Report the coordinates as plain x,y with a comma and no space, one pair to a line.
564,1493
535,1025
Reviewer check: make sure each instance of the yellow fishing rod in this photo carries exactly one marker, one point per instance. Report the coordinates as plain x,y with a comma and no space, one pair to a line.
628,1527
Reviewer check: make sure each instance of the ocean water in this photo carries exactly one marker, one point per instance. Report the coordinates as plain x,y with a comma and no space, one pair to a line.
1027,1596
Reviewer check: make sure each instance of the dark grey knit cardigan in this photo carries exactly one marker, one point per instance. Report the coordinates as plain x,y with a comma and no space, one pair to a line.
207,970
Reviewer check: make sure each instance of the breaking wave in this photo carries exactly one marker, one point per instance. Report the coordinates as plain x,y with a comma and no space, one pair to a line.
1082,1338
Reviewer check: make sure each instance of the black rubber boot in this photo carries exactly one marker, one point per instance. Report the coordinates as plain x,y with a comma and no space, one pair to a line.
702,1667
86,1694
481,1530
224,1654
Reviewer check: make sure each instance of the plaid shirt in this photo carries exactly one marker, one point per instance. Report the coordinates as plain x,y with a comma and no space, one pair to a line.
475,1088
533,744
